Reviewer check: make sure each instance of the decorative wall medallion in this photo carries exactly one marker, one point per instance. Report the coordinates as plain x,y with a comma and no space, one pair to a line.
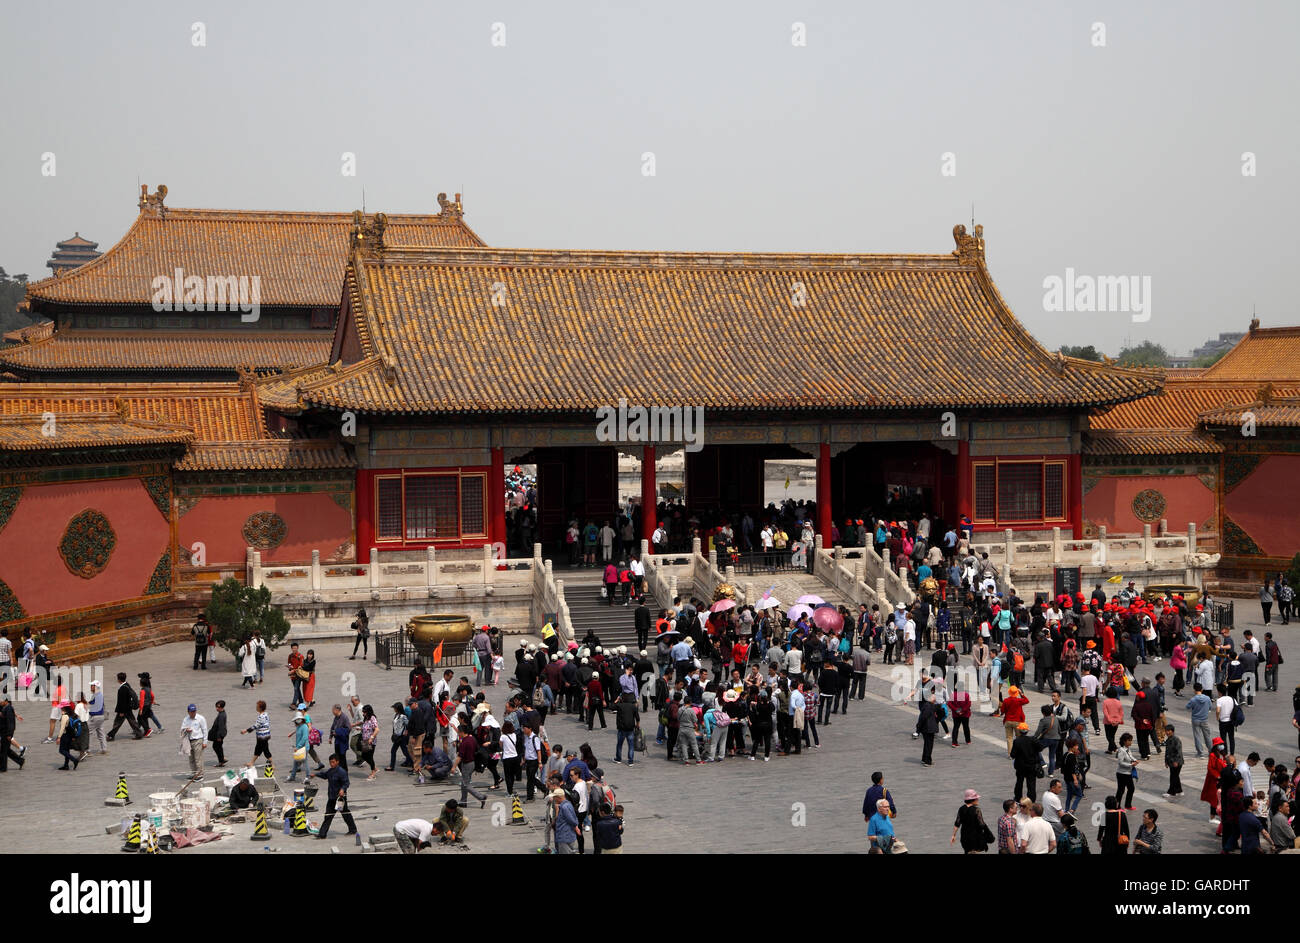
1238,543
161,580
160,490
1149,505
10,607
8,501
265,530
87,543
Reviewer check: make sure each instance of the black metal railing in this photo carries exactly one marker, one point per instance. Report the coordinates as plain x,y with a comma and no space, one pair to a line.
1221,615
394,650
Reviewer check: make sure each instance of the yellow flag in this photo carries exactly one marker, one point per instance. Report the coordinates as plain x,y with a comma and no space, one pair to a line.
787,481
1119,578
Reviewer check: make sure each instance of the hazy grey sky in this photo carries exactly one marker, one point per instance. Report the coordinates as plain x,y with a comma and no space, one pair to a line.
1122,160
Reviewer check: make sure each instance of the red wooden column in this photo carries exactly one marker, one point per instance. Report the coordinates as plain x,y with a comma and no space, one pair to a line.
497,498
649,490
824,493
965,499
1075,483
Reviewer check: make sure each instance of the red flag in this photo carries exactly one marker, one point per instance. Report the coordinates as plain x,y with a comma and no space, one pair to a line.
437,654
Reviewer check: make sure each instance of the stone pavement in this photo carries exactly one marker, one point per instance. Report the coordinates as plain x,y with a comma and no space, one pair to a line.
806,803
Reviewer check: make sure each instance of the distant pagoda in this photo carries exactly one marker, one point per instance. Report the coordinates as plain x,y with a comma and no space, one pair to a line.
71,253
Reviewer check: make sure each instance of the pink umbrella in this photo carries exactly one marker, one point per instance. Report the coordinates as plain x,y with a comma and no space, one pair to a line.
828,619
809,599
799,611
722,605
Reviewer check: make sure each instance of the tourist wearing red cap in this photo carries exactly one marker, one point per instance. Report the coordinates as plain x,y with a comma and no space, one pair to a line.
1178,662
1143,714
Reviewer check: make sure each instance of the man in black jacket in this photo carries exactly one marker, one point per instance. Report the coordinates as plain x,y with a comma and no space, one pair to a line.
8,727
337,778
1044,663
927,725
642,617
626,719
126,707
1024,755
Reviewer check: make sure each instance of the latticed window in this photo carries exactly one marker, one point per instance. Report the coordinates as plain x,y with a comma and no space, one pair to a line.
1020,491
1054,491
985,492
432,507
472,510
388,509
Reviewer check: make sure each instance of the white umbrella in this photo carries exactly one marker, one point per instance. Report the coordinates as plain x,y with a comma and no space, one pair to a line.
809,600
768,602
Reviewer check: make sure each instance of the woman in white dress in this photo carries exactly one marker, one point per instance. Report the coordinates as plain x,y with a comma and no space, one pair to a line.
248,662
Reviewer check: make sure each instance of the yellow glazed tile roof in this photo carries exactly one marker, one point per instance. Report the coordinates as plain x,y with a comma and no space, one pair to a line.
109,351
1264,354
299,256
509,330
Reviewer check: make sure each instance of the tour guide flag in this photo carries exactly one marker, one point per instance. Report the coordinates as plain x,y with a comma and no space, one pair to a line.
1118,578
437,654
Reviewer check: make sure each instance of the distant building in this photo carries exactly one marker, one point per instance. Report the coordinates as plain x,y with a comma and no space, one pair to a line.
72,253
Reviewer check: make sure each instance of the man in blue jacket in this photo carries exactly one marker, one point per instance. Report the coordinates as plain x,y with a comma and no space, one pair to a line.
566,824
337,778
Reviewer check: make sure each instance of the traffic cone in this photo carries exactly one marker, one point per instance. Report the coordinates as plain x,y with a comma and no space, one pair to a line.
151,841
517,812
309,798
259,826
300,821
269,770
121,789
133,836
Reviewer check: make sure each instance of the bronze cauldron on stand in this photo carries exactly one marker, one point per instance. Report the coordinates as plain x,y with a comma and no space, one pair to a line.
453,631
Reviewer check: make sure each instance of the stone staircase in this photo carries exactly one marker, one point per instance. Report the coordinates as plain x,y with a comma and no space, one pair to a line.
789,586
615,625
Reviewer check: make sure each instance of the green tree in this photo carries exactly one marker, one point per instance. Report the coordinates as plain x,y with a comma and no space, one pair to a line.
1083,353
1208,359
1293,574
236,610
1146,354
13,289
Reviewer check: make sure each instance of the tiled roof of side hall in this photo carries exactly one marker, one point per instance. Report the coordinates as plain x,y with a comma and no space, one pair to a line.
223,423
1264,354
516,330
299,257
116,351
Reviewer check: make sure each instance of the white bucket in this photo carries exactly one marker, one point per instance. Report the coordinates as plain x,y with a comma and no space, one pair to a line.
208,796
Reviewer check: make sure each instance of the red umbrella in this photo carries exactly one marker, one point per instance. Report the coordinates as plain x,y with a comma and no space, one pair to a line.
828,619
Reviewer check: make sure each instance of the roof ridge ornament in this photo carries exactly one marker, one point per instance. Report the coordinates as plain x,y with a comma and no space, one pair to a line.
390,369
366,232
450,209
970,249
1264,395
152,203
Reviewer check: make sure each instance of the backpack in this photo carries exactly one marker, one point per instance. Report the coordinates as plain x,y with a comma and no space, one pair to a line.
1069,844
1238,715
891,634
543,751
313,735
74,726
1018,661
720,717
135,701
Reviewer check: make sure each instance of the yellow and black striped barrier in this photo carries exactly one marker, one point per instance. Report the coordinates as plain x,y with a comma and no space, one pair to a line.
259,824
133,836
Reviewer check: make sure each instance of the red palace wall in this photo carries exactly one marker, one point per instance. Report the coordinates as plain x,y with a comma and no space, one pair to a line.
313,522
1261,505
30,562
1109,503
